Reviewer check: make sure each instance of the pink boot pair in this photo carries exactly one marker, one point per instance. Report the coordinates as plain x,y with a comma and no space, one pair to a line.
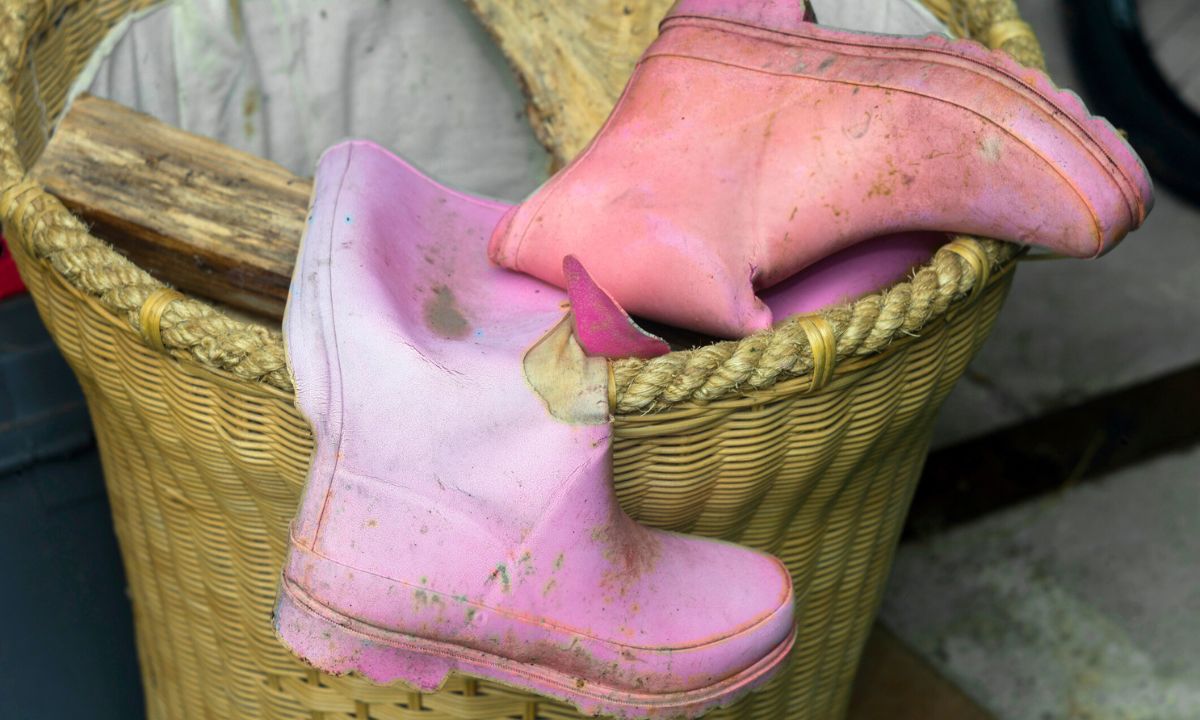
459,514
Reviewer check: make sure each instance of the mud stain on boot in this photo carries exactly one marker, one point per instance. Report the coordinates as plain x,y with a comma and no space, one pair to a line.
573,386
856,130
990,147
573,659
625,670
501,574
443,316
630,550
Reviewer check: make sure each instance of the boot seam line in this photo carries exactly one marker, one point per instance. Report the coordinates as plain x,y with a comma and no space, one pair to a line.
334,351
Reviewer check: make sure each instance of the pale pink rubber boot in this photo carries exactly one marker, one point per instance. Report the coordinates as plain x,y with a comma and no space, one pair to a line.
459,514
750,144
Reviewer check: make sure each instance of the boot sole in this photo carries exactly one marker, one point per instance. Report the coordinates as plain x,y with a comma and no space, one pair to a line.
338,644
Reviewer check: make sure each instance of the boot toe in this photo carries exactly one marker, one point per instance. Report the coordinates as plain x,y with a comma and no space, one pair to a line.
707,613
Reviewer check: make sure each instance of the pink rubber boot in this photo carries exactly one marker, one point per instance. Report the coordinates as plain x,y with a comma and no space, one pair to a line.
459,514
750,144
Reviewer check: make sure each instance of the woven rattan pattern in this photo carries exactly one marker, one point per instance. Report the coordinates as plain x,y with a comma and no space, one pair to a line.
205,456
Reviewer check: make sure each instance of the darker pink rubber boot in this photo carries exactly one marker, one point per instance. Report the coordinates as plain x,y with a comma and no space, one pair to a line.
459,515
750,144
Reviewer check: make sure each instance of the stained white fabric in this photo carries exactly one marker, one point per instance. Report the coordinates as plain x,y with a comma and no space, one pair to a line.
285,79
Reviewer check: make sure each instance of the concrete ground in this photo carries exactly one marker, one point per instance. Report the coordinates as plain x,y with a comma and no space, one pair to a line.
1083,605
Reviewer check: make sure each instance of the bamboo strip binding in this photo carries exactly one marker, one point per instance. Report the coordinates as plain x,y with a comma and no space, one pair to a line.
150,315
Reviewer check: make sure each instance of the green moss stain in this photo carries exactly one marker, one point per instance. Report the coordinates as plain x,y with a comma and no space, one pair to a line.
501,572
443,316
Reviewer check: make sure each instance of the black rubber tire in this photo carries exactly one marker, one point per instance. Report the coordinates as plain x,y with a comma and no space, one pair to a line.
1124,84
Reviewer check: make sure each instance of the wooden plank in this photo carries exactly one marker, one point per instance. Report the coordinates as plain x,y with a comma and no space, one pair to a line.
195,213
894,683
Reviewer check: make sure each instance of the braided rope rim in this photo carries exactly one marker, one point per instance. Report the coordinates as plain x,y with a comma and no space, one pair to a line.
188,328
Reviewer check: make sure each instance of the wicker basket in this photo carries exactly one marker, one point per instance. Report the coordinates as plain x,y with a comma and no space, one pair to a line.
805,441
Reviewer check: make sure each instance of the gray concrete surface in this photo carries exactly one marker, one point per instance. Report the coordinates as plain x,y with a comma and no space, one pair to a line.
1074,329
1084,605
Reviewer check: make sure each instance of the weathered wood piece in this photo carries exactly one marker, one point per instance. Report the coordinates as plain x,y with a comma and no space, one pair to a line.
572,58
208,219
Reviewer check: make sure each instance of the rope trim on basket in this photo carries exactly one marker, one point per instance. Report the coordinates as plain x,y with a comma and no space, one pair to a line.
16,199
864,327
191,328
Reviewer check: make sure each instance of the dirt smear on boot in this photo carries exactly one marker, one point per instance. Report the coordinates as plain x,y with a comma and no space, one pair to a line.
630,549
443,316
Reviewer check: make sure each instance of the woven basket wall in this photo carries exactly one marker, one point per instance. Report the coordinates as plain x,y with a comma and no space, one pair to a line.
805,441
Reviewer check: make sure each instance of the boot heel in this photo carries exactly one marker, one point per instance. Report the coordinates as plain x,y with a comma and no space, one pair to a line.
336,649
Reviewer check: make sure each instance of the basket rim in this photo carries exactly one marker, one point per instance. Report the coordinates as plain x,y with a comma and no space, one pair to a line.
190,329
